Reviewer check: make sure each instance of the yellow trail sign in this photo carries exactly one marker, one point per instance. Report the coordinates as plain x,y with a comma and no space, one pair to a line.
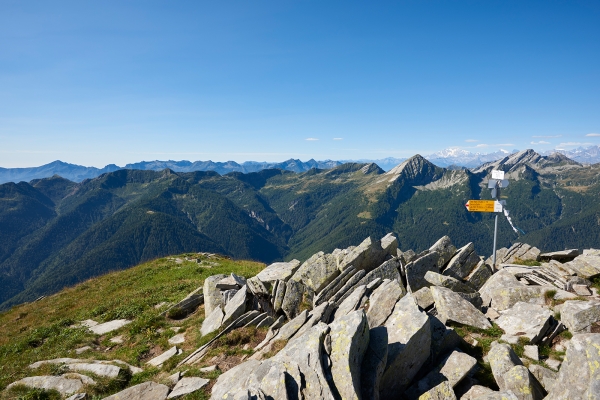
483,206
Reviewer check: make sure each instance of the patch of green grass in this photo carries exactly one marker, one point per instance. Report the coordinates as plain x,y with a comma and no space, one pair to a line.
519,348
528,263
566,335
20,392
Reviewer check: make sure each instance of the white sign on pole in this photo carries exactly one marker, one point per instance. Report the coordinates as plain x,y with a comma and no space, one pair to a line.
497,174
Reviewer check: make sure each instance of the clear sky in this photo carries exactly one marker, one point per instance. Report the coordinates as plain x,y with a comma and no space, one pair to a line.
99,82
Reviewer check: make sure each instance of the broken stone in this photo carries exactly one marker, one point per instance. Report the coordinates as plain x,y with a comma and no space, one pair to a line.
443,391
499,280
479,276
524,385
187,386
227,283
382,302
545,376
117,339
279,295
562,256
279,271
159,360
409,343
236,306
452,307
585,266
177,339
416,270
447,282
82,349
528,320
110,326
531,352
320,314
334,286
108,371
461,265
445,249
212,294
316,272
423,297
365,256
294,292
553,363
78,396
351,303
502,359
505,298
478,392
578,316
582,290
389,244
143,391
64,386
213,321
349,341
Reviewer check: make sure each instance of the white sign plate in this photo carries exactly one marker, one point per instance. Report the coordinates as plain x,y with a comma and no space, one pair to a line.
497,174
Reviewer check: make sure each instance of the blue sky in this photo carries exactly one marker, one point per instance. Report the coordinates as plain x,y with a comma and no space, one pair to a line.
94,83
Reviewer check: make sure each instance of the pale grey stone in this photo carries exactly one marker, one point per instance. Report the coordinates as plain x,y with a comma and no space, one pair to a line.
445,249
374,362
236,306
78,396
187,386
524,385
553,363
423,297
109,326
212,295
505,298
349,341
366,255
143,391
320,314
382,302
387,270
173,379
334,286
532,352
479,276
108,371
228,295
502,359
461,265
351,303
86,380
586,266
582,290
279,271
210,368
213,321
452,307
520,251
578,316
257,287
409,342
500,279
545,376
117,339
316,272
476,392
279,295
233,379
159,360
177,339
528,320
416,270
348,287
389,244
82,349
258,318
473,298
447,282
64,386
562,256
269,379
443,391
55,361
294,292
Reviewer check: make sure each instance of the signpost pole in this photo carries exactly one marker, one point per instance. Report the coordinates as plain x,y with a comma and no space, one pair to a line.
495,233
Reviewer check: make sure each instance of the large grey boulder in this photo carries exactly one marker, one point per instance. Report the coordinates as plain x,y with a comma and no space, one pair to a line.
505,298
294,293
351,303
445,249
387,270
524,385
374,362
423,298
320,314
416,270
528,320
233,379
562,256
579,375
502,359
236,306
578,316
281,271
316,272
212,294
519,251
274,379
479,276
143,391
499,280
334,286
349,341
348,287
461,265
382,302
213,321
452,307
186,386
447,282
366,255
443,391
585,266
389,244
63,385
409,342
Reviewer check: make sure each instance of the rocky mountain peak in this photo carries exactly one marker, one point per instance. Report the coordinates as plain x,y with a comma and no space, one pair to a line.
414,168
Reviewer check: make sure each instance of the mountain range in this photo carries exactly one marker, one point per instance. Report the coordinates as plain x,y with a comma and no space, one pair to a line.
449,158
56,232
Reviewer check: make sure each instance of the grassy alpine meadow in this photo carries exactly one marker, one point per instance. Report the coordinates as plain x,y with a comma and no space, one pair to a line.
48,328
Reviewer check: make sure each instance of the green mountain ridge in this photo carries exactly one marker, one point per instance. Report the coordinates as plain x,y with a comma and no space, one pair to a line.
56,232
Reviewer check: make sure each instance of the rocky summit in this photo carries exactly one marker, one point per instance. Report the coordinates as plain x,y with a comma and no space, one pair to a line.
374,322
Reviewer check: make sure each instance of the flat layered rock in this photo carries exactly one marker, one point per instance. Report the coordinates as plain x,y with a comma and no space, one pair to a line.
528,320
177,339
109,326
423,298
105,370
213,321
212,294
143,391
351,303
349,341
278,296
316,272
389,244
445,249
233,379
320,314
64,386
236,306
480,275
382,302
416,270
505,298
447,282
367,255
409,343
334,286
452,307
187,386
562,256
586,266
294,292
461,265
499,280
279,271
524,385
578,316
159,360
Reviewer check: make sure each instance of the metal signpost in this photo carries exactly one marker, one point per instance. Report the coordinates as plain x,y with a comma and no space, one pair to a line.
495,184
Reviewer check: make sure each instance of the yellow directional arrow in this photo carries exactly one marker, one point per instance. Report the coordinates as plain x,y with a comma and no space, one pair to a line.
483,206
